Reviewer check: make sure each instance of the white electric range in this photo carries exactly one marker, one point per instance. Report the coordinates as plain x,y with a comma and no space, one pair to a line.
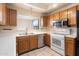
58,40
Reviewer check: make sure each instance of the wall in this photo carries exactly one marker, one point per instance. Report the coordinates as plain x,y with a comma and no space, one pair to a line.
23,24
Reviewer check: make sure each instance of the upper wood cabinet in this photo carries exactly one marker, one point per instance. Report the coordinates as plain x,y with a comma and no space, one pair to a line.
63,14
78,7
72,16
12,14
51,17
8,17
46,21
3,13
56,16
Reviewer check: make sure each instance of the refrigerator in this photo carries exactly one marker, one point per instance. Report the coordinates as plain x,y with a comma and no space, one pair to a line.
77,39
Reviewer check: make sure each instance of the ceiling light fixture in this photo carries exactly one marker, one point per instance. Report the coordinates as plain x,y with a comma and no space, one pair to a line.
34,6
54,5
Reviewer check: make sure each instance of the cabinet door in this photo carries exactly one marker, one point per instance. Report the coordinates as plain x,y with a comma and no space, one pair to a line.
78,7
23,44
13,17
16,45
72,16
56,16
46,21
3,13
33,42
63,14
47,39
51,17
70,47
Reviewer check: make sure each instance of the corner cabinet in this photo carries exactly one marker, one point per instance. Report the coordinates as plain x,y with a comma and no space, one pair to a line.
8,17
46,21
47,39
70,46
72,16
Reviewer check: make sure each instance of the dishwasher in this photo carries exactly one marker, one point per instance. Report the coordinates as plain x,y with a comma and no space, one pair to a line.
41,40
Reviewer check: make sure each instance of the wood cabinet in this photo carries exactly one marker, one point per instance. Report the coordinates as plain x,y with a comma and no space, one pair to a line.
26,43
63,14
46,21
69,46
72,16
78,7
47,39
23,44
33,42
17,45
56,16
8,17
12,16
51,17
3,13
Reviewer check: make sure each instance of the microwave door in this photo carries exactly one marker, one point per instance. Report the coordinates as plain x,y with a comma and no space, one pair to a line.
57,24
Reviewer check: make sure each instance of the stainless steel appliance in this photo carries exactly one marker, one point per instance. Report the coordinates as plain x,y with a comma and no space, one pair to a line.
60,23
77,40
56,24
65,23
41,40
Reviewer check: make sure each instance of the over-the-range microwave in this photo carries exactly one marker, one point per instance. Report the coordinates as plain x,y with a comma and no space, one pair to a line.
60,23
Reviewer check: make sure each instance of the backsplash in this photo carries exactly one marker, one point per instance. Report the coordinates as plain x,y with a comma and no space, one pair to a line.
73,31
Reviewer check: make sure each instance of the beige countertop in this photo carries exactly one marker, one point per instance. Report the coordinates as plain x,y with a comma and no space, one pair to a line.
71,36
28,34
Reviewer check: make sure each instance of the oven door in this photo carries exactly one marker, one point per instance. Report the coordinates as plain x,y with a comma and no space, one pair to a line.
57,41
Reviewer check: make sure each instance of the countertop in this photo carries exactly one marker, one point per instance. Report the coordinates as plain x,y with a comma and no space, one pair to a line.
37,33
29,34
71,36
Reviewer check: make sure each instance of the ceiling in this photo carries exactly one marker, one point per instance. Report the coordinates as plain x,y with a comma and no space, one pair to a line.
41,7
34,9
47,7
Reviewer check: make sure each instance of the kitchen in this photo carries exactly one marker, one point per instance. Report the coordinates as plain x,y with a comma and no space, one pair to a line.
25,31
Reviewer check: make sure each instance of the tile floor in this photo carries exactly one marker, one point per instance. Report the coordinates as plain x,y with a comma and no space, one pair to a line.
45,51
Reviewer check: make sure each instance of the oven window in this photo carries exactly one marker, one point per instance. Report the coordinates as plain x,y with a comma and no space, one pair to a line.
56,42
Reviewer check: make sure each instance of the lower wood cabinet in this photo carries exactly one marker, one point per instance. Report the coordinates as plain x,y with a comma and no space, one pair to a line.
26,43
23,44
69,46
47,39
33,42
